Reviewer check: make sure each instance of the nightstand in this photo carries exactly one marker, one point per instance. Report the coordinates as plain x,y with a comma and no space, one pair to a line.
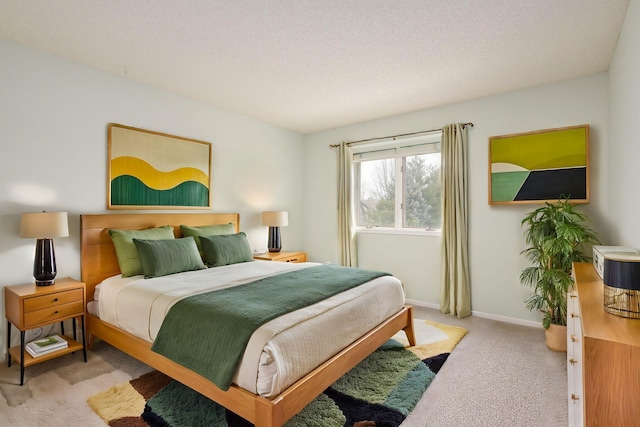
29,306
282,256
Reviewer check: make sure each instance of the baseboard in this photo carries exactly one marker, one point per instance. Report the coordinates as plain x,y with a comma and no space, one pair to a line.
418,303
490,316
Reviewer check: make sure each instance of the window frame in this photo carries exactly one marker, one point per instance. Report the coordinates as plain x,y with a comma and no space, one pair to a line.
405,147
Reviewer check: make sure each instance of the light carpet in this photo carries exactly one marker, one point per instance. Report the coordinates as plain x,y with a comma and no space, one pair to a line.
381,390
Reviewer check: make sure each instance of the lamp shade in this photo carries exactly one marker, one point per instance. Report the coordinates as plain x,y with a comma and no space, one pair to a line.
622,271
275,218
40,225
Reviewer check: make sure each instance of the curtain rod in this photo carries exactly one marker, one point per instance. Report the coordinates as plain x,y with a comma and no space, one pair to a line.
395,136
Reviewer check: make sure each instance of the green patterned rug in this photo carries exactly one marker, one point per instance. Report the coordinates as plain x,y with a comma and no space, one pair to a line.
380,391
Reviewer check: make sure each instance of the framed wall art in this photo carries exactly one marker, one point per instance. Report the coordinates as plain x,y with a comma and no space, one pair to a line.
539,166
153,170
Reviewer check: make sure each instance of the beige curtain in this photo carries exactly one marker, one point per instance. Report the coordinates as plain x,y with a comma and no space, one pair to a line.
346,239
455,293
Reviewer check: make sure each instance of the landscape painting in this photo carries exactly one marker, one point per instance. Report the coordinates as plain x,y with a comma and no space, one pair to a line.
539,166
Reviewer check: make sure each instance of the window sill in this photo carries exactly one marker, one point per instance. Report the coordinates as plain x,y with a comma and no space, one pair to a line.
397,231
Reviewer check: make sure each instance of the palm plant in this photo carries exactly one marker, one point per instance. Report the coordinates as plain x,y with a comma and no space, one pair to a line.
556,233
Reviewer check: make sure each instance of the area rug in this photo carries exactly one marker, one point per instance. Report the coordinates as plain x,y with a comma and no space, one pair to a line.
380,391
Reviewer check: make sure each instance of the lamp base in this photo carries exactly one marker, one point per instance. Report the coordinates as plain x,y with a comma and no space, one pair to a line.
274,243
44,263
622,302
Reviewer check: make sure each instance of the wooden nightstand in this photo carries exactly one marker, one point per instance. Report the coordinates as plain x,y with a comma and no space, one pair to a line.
282,256
30,306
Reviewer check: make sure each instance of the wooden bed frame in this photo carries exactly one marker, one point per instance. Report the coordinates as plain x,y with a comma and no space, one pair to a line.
99,262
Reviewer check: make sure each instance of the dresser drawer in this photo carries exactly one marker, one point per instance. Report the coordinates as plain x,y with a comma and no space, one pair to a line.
53,314
52,300
574,361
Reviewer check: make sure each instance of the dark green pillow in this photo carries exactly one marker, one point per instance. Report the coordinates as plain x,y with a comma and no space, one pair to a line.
126,251
163,257
226,249
206,230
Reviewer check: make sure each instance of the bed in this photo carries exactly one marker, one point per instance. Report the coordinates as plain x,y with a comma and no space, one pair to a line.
99,262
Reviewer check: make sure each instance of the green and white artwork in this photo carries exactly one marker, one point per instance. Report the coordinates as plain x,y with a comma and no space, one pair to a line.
540,166
152,170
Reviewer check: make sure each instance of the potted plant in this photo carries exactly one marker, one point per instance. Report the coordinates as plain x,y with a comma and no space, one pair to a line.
556,234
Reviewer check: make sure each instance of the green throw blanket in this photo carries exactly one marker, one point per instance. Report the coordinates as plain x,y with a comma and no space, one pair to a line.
208,333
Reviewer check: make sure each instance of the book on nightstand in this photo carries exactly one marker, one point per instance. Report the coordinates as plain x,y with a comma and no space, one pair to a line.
46,345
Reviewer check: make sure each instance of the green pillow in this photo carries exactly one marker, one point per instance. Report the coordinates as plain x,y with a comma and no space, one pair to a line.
163,257
126,250
226,249
206,230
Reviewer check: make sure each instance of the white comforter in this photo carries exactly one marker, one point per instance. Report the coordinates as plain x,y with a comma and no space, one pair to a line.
279,352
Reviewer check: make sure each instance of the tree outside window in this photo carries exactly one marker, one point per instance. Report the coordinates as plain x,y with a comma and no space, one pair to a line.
399,188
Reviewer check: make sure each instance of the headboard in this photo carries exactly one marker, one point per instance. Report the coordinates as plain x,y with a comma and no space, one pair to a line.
98,256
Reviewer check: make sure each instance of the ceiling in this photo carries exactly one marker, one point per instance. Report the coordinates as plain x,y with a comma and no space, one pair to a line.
311,65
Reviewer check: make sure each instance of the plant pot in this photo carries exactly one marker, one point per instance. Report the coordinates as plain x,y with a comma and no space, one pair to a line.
556,338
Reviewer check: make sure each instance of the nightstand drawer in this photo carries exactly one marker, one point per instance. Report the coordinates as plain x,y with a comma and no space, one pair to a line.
283,256
297,258
53,314
52,300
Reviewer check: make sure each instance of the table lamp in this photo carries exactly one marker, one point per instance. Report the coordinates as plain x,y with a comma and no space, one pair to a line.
44,226
622,284
275,220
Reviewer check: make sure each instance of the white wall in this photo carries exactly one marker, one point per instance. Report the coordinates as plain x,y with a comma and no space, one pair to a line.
624,146
53,153
495,235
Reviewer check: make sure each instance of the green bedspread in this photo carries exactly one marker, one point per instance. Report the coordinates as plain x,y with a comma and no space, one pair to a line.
208,333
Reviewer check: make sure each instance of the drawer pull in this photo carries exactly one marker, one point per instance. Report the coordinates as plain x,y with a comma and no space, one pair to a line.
573,361
55,300
292,260
574,396
573,338
55,312
574,315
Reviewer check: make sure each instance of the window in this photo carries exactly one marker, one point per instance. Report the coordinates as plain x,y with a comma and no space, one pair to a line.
397,184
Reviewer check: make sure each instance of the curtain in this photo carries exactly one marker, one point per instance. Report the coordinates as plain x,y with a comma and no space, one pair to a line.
455,293
346,238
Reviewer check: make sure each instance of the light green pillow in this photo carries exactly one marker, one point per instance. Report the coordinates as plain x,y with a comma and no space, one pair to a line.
126,251
206,230
163,257
226,249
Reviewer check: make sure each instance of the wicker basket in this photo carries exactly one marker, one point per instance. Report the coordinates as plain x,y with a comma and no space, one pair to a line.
556,337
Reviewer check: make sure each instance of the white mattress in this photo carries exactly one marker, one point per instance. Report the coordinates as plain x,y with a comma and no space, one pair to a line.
281,351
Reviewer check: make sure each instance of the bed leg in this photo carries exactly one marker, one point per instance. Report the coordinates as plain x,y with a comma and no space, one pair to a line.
268,413
92,339
408,330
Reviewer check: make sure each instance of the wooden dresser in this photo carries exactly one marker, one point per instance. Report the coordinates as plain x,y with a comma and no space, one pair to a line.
603,357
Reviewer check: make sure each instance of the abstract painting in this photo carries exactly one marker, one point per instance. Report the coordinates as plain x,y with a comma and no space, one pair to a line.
539,166
152,170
